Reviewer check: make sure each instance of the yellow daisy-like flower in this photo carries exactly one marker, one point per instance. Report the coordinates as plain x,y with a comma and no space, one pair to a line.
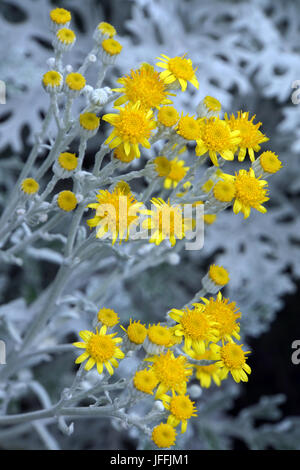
60,16
166,221
224,191
162,166
232,359
179,71
168,116
217,138
172,372
181,409
136,332
107,29
158,338
218,275
209,107
249,192
111,47
116,212
143,85
68,161
100,349
30,186
75,81
269,162
67,201
108,317
225,314
188,127
52,80
197,328
250,135
164,435
89,121
66,36
132,127
145,381
177,173
205,374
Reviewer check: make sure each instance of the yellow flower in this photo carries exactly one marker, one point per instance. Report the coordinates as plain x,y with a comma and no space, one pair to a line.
197,328
145,381
60,16
188,128
52,80
111,47
68,161
172,372
205,374
166,221
249,192
66,37
75,81
225,315
136,332
143,85
164,435
268,162
158,337
30,186
123,187
224,191
167,116
217,138
132,127
100,349
176,174
179,71
218,275
89,121
66,201
250,135
209,219
232,359
107,29
181,409
209,107
120,154
162,166
108,317
116,212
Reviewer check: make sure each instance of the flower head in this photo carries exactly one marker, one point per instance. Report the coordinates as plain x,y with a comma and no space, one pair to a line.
52,81
267,164
225,314
205,374
136,332
181,410
168,116
179,71
108,317
111,49
116,212
172,372
250,135
177,173
75,81
197,328
162,166
30,186
107,29
164,435
232,359
65,39
59,18
249,192
216,278
209,107
158,338
188,128
66,201
145,381
89,124
166,221
100,349
132,127
145,86
217,138
68,161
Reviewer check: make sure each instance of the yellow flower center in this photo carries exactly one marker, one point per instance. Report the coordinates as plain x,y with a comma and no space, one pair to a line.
52,78
68,161
159,335
108,317
145,86
107,28
65,35
181,68
111,46
101,348
30,186
136,332
218,275
145,381
89,121
171,371
67,201
133,125
177,172
162,166
164,435
168,116
188,128
248,189
224,191
196,324
60,16
250,134
120,154
216,135
75,81
270,162
225,315
212,104
233,356
181,407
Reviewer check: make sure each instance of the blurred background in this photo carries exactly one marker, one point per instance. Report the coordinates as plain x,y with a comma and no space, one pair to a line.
248,57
